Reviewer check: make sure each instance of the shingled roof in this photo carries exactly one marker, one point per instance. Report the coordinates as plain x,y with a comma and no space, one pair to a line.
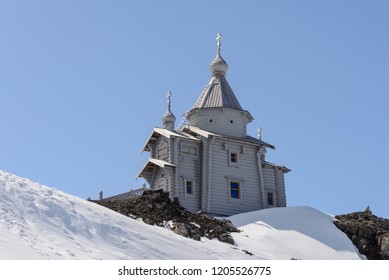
218,94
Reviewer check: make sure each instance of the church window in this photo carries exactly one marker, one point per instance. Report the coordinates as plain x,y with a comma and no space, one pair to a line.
189,187
234,157
234,189
270,198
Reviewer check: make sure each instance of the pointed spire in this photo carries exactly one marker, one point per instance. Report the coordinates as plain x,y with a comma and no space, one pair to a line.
168,119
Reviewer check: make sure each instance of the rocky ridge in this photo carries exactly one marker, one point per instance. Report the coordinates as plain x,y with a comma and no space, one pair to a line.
369,233
156,208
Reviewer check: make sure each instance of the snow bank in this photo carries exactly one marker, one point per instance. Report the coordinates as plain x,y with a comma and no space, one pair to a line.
292,232
38,222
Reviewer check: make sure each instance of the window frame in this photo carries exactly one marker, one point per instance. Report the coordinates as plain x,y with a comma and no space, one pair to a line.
189,146
193,188
238,188
189,186
236,158
270,196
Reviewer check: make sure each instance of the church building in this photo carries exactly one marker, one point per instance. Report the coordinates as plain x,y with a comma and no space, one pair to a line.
209,163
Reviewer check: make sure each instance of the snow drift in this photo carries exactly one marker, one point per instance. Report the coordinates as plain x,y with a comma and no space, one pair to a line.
38,222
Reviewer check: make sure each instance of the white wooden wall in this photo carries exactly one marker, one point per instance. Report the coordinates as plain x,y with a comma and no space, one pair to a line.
246,173
224,121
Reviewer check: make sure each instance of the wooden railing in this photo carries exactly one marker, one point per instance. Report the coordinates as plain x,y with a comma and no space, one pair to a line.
130,194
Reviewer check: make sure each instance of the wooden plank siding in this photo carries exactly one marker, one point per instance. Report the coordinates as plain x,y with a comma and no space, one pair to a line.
261,179
246,173
274,182
221,121
205,175
280,188
211,163
160,179
269,178
208,165
163,149
189,168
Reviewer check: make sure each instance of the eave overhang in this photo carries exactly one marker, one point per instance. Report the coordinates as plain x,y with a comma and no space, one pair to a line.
158,132
193,130
151,164
273,165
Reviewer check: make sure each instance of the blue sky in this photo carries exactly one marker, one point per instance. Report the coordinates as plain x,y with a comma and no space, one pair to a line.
82,84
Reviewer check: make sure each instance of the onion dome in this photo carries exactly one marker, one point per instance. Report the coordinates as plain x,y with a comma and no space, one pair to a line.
218,65
168,118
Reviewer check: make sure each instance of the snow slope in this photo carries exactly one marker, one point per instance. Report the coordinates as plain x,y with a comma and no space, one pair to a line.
38,222
292,232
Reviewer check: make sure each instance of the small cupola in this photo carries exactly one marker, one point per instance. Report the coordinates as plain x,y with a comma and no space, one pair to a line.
168,118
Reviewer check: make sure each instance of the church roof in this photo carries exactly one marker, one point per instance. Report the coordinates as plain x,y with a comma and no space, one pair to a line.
157,131
151,164
283,168
218,93
248,139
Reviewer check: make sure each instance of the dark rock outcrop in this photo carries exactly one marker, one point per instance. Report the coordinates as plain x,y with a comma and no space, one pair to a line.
369,233
156,208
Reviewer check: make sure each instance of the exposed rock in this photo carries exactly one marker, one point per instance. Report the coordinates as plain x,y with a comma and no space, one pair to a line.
225,237
383,242
156,208
366,231
248,253
181,229
369,233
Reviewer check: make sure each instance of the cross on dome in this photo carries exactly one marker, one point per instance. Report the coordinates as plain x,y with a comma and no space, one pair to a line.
168,119
218,65
169,94
218,38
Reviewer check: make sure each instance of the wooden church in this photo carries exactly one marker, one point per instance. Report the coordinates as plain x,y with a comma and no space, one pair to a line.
209,163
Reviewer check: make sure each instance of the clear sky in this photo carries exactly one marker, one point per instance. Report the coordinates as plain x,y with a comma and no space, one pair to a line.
83,83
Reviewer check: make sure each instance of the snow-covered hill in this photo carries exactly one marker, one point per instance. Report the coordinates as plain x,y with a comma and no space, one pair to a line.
38,222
